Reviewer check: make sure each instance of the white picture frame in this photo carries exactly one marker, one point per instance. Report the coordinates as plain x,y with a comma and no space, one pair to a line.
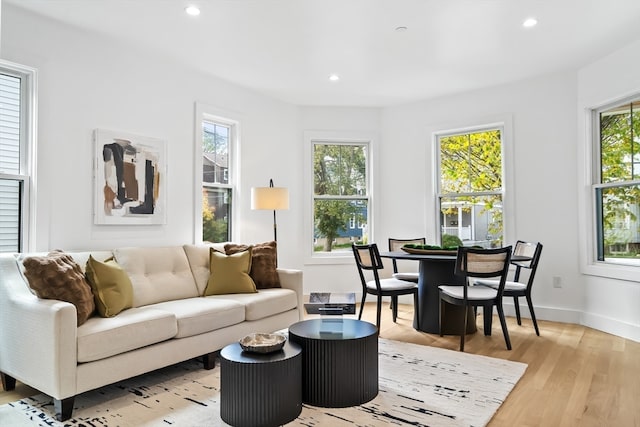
129,179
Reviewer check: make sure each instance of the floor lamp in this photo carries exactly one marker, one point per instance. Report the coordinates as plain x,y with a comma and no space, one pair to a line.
270,198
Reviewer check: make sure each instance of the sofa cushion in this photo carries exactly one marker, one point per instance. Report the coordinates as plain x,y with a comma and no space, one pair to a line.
230,274
199,257
267,302
58,276
102,337
111,286
157,273
263,262
199,315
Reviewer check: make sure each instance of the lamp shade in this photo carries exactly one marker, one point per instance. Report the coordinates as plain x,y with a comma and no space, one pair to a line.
270,198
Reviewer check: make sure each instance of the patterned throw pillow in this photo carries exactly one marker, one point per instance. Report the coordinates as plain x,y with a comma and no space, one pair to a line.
58,276
263,263
229,273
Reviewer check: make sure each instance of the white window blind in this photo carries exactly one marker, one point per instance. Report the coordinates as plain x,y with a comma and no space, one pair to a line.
16,86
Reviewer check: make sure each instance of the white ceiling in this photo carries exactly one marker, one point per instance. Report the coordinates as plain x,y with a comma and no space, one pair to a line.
288,48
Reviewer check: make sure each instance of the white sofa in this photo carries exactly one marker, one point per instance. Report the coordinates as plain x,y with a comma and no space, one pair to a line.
42,346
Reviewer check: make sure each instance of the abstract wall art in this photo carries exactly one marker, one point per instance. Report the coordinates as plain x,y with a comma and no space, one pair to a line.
130,179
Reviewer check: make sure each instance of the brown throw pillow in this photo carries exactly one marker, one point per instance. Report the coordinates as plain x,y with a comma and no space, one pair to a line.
263,263
58,276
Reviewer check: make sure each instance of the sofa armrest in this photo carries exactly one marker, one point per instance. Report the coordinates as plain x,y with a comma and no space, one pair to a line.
37,336
292,279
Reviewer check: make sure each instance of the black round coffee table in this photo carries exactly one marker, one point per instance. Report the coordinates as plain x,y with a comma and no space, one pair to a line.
339,361
260,389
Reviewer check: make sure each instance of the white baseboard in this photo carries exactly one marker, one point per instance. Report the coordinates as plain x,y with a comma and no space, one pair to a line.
612,326
563,315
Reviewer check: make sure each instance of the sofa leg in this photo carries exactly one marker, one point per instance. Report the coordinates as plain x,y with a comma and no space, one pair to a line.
8,382
63,408
209,360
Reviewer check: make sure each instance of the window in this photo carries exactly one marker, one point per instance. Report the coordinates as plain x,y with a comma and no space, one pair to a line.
17,142
217,138
341,196
616,187
470,187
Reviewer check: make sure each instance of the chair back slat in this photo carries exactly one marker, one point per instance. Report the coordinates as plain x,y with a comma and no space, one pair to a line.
478,262
395,245
531,250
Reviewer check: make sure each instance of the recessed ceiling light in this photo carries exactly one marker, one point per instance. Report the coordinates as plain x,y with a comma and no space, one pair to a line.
530,22
401,29
334,77
192,10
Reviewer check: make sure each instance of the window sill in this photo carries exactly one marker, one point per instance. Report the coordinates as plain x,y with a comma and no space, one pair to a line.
338,258
612,271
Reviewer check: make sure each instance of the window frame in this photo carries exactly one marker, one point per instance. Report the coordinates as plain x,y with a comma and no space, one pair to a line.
334,138
503,123
616,270
28,151
225,118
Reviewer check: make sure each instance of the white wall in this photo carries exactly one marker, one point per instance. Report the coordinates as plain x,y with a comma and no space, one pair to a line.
88,82
610,305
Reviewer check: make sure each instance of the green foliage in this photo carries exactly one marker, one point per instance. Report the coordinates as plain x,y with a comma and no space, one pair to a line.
473,163
619,144
449,241
213,230
339,176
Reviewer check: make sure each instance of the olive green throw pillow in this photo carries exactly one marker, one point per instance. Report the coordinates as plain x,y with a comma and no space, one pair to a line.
111,286
229,274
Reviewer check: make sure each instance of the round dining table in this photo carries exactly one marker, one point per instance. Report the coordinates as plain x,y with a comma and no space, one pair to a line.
436,270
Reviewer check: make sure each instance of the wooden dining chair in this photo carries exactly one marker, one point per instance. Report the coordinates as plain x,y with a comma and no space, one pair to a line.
515,288
395,245
368,260
481,263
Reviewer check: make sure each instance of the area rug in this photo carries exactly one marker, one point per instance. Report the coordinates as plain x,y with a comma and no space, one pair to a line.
419,386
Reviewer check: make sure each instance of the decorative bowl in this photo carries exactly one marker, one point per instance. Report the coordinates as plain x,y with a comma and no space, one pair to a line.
262,343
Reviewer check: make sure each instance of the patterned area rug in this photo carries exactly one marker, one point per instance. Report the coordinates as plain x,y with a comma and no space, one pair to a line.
419,386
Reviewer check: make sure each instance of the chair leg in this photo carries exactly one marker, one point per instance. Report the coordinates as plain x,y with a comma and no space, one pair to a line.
416,309
487,312
464,328
364,297
503,323
517,306
394,302
378,312
440,313
533,315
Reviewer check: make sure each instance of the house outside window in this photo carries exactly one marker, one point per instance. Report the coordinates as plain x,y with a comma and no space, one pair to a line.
340,195
470,187
17,151
616,183
217,138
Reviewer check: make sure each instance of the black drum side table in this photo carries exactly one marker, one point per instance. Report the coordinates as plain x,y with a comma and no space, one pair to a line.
260,390
340,361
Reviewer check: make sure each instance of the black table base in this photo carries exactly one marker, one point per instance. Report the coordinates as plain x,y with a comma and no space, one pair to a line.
260,390
340,361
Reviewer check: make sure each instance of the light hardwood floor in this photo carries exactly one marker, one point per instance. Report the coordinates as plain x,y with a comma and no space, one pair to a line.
576,376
